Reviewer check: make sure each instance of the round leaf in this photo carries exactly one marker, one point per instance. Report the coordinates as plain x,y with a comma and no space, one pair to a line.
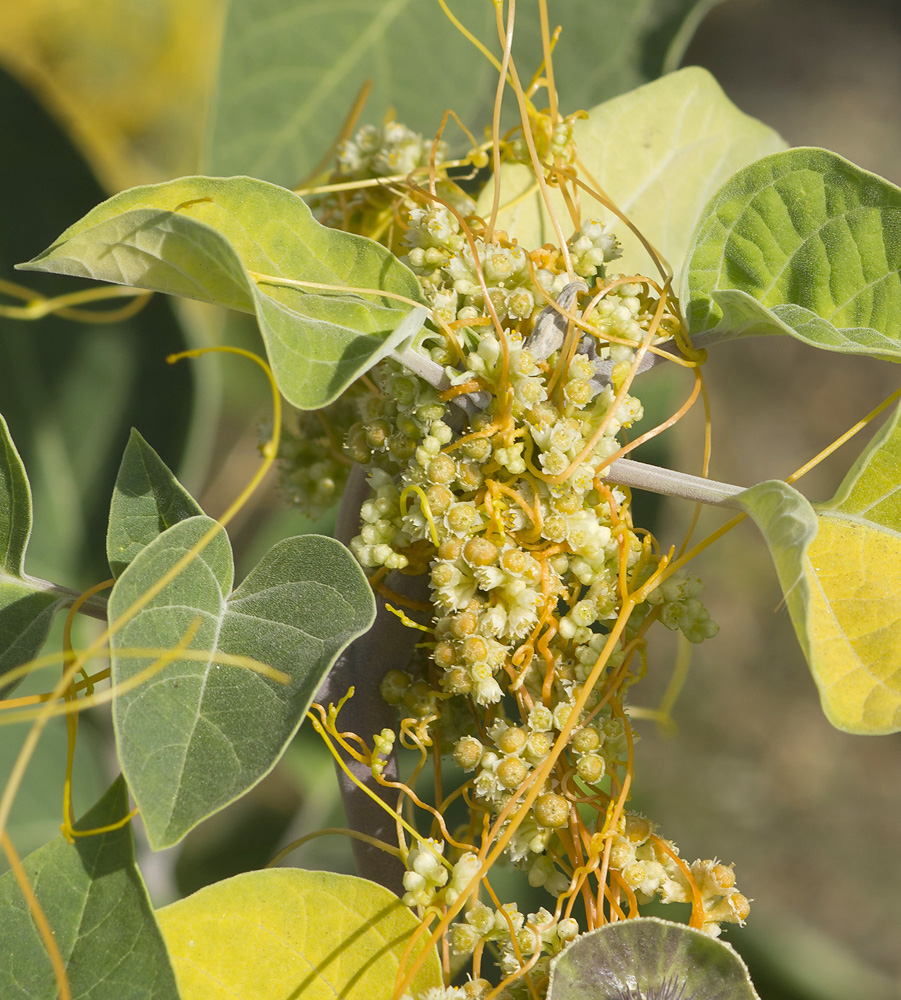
651,959
287,934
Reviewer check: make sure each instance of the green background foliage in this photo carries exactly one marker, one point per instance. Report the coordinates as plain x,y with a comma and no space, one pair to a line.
290,70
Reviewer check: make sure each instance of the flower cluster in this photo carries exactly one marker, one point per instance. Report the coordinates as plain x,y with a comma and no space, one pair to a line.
650,867
491,478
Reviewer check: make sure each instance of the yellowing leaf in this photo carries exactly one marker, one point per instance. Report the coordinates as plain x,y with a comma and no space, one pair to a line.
854,615
287,934
839,565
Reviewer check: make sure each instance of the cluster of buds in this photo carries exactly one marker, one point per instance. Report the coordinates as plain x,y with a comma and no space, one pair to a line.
530,553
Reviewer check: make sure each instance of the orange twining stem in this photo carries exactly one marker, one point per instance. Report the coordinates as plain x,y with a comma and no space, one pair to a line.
473,385
697,903
36,911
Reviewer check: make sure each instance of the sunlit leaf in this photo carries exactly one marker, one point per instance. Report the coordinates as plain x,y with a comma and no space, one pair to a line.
199,237
27,607
659,152
649,958
97,905
291,69
287,933
147,499
197,734
838,564
801,243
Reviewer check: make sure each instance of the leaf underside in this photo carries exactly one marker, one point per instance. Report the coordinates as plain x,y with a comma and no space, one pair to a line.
196,733
649,958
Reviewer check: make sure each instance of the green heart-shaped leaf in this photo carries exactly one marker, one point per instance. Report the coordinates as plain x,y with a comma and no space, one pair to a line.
292,934
652,958
147,499
26,606
802,243
659,152
97,905
200,237
839,564
200,732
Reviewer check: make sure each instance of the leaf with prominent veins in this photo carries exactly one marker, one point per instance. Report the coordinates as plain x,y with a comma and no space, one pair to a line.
801,243
200,732
254,247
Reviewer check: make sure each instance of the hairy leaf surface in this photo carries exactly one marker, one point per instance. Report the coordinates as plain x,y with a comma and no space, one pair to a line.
659,152
26,607
649,957
291,69
198,733
802,243
284,932
95,900
838,564
201,237
147,499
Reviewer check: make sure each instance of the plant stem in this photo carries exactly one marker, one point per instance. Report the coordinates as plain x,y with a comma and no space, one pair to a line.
387,645
95,607
671,483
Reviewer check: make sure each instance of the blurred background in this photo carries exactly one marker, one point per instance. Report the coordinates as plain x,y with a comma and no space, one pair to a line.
96,96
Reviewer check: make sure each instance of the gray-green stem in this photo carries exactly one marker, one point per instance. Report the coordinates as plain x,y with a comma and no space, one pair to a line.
670,483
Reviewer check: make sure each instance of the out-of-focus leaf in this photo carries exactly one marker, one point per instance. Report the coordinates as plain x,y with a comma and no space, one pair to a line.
37,811
147,499
205,238
130,81
71,390
284,932
290,69
649,957
97,905
196,735
838,564
27,606
659,152
802,243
